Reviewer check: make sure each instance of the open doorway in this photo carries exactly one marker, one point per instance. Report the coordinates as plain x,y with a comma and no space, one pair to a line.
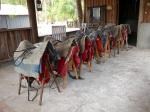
129,14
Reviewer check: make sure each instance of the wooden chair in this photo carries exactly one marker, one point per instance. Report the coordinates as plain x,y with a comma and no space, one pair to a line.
107,47
104,48
41,84
73,56
87,53
59,32
98,49
40,77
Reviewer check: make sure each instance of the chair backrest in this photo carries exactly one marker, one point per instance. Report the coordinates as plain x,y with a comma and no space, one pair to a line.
59,32
84,26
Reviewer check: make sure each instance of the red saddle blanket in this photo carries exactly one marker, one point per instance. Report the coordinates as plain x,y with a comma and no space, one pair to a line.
63,65
99,45
88,52
44,77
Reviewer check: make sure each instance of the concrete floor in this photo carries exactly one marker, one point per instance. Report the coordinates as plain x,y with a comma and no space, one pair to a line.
122,84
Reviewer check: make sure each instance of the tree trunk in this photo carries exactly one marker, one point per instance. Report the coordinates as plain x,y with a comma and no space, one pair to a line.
79,10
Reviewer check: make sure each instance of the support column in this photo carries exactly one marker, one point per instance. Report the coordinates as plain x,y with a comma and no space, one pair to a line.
32,19
79,9
85,13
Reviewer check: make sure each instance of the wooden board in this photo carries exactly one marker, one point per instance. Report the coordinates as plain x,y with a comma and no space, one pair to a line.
111,15
9,41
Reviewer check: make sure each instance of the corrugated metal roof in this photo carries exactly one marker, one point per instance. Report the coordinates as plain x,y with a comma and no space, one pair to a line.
7,9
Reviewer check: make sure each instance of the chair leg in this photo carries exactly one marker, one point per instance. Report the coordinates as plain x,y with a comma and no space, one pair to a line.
97,56
105,56
118,47
20,83
127,43
90,66
65,81
55,81
75,71
122,44
28,89
109,50
105,52
41,94
80,67
50,84
114,49
29,82
108,53
57,85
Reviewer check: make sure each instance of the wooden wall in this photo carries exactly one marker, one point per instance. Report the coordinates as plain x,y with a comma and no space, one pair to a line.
146,11
10,39
144,25
111,15
12,22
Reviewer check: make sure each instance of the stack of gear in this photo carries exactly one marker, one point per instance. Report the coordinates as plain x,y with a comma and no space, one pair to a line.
46,61
63,48
69,52
33,62
30,59
99,46
88,53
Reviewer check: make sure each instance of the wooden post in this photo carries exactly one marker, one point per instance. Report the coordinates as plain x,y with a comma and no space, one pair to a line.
84,15
79,9
33,22
141,11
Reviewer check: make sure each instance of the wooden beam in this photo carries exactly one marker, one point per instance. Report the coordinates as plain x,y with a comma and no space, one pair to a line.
79,9
84,15
33,22
141,11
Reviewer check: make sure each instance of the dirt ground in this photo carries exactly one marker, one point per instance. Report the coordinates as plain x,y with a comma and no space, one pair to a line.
121,84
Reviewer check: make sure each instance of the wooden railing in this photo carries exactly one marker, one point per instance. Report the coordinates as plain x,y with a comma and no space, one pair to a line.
10,39
59,32
72,24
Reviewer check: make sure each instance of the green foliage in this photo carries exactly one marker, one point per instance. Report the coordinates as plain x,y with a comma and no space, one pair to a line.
15,2
59,10
54,10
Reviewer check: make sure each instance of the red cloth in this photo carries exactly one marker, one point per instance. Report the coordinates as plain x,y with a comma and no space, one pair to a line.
99,45
44,76
125,34
112,42
75,55
62,67
89,51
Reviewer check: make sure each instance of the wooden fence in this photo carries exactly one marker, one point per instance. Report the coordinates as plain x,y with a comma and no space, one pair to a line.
10,39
